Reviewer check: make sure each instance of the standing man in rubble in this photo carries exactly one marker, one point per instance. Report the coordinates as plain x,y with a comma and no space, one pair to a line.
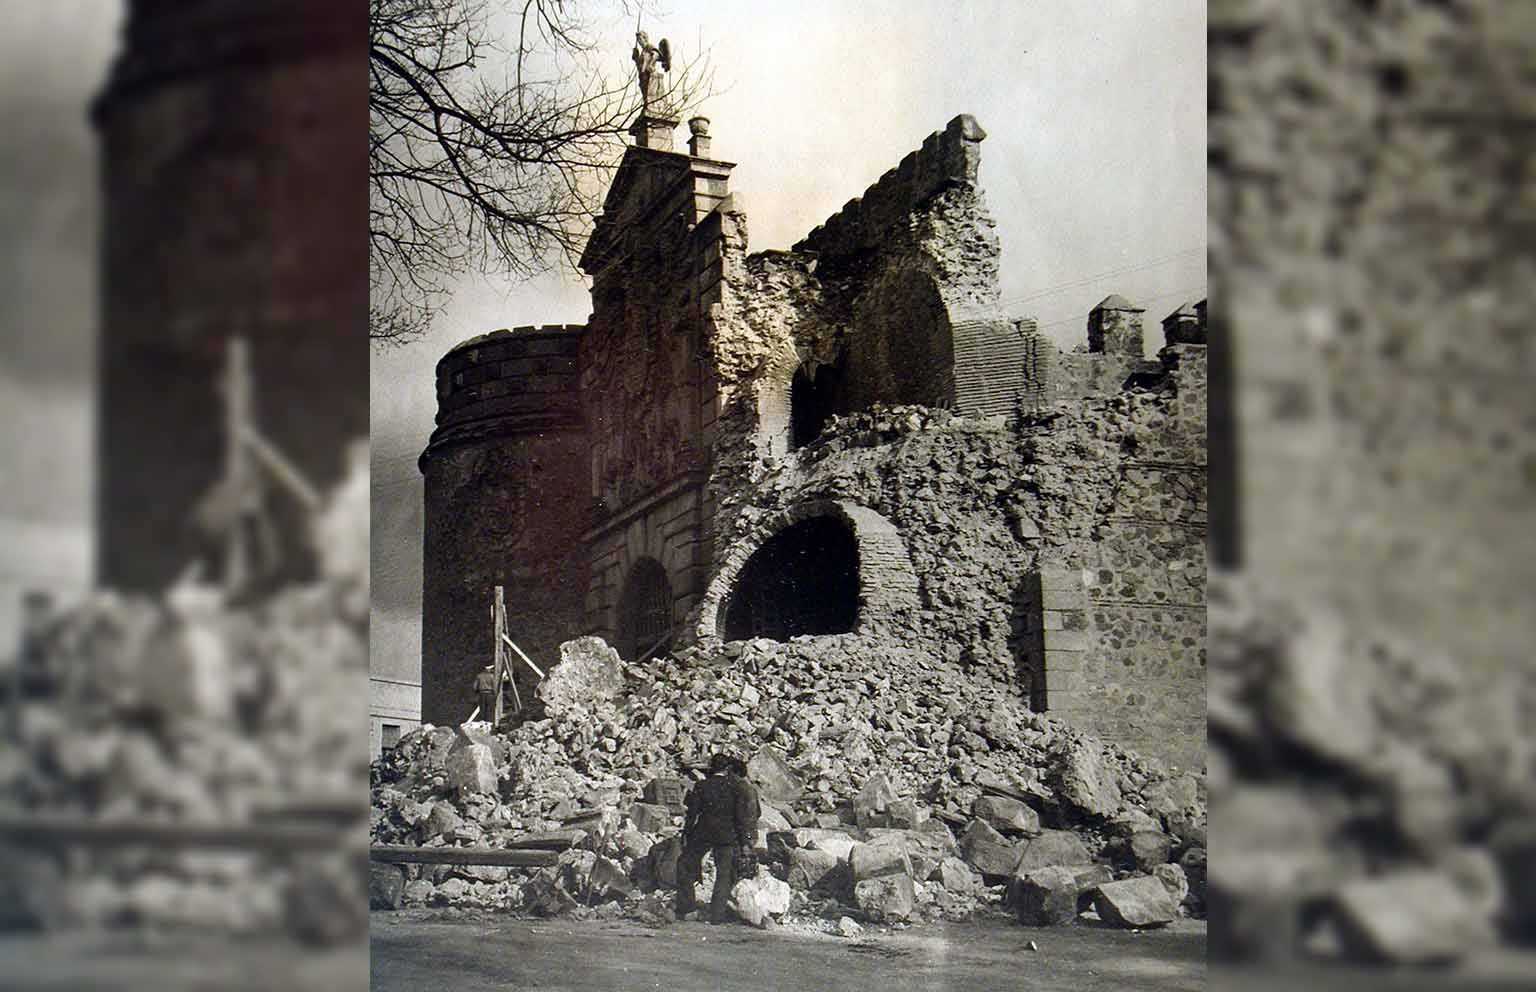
722,818
485,693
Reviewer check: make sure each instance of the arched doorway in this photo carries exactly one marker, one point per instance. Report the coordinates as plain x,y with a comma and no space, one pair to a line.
813,400
803,580
645,611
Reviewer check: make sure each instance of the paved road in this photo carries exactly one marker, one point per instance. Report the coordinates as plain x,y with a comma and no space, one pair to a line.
123,961
409,954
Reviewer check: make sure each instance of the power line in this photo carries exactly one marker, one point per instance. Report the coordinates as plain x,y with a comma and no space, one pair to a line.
1098,277
1195,293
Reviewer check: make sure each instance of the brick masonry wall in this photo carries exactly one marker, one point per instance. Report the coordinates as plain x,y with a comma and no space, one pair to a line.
506,501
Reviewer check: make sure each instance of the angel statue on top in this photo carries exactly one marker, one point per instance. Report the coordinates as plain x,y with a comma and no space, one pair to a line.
647,57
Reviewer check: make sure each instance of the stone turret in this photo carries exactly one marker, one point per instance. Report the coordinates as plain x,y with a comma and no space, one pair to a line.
1114,327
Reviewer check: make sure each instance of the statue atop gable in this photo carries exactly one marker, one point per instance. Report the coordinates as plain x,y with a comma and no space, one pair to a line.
653,84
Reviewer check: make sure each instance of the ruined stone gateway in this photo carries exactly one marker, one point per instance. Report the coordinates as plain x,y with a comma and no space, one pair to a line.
848,438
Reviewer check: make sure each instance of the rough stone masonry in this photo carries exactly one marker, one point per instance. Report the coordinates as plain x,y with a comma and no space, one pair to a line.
847,440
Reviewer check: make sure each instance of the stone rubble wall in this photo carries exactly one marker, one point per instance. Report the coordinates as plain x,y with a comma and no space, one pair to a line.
946,157
1114,490
873,761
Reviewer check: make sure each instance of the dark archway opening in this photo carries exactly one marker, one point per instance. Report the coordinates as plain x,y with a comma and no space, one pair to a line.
803,580
812,402
645,611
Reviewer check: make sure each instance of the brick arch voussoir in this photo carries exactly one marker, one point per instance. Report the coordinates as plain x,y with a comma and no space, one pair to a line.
888,586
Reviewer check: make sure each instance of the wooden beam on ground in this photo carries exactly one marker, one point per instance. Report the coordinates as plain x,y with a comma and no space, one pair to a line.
559,839
52,831
398,854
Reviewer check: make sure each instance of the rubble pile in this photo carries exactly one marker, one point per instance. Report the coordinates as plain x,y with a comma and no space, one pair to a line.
895,787
191,709
1364,786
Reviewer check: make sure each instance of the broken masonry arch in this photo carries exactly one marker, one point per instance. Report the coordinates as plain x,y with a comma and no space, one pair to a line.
819,567
816,395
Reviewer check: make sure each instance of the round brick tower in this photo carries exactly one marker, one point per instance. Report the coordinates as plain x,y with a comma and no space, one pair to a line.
508,496
234,157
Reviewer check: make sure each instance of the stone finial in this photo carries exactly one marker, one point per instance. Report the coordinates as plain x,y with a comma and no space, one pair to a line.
1184,326
1114,327
698,145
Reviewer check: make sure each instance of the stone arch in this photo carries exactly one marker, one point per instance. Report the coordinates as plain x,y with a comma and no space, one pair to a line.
815,395
885,585
644,617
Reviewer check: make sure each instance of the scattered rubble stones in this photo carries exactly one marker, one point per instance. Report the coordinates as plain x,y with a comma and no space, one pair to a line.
878,800
1435,783
266,716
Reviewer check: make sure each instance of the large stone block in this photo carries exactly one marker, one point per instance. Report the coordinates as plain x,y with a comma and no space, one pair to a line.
757,899
443,820
987,851
472,770
386,886
809,869
1006,815
650,818
668,791
923,848
875,860
776,781
889,898
1135,903
1052,847
588,671
1082,780
869,807
1149,848
1045,896
1418,917
1039,896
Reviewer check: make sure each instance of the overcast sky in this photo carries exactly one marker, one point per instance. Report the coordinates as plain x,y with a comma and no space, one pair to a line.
1094,167
53,59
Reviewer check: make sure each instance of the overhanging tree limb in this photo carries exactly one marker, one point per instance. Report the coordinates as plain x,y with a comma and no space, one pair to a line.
466,172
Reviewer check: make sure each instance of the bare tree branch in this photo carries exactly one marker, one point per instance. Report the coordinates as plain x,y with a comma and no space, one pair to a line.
470,173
